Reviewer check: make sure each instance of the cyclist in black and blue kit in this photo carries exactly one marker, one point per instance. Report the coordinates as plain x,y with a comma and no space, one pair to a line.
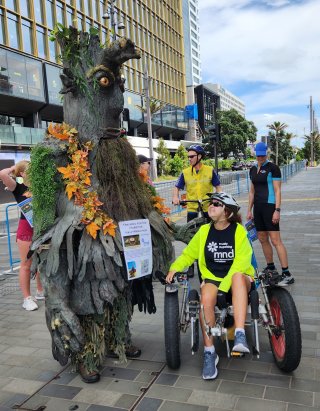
265,198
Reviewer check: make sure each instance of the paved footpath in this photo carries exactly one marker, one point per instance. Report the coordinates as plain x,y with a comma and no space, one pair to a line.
31,380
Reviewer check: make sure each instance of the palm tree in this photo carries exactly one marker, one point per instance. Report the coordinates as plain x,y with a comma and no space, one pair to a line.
313,138
155,106
277,127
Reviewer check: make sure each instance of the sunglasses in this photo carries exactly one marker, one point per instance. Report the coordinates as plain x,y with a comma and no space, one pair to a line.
216,204
192,156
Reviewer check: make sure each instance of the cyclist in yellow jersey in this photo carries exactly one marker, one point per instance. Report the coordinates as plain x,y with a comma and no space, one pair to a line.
198,179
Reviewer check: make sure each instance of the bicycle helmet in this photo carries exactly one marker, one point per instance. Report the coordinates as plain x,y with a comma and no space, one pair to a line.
227,200
197,148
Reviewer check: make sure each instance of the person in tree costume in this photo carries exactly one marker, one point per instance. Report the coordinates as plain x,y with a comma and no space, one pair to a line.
84,181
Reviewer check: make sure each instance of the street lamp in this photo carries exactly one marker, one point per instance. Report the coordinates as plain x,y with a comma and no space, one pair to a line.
110,14
146,80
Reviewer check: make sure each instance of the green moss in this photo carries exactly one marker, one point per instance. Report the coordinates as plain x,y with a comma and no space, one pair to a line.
42,173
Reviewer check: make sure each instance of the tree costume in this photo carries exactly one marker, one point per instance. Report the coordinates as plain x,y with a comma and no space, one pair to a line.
84,180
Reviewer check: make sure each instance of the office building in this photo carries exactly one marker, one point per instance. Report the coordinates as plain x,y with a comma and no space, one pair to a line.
227,99
191,42
29,67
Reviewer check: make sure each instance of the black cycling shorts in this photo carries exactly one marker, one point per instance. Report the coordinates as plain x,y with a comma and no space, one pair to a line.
262,215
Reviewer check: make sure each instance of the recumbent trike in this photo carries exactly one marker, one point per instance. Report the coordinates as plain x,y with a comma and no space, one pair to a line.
275,311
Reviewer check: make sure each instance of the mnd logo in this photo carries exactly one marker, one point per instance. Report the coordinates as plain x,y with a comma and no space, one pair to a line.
222,252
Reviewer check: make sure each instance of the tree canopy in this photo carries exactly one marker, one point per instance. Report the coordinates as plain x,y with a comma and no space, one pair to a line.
235,132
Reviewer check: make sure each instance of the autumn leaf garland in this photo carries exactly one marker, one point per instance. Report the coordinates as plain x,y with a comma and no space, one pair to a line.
77,179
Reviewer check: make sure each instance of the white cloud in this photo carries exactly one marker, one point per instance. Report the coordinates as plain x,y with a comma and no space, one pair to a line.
271,45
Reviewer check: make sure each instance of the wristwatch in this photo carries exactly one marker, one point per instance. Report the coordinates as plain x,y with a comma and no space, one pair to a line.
277,209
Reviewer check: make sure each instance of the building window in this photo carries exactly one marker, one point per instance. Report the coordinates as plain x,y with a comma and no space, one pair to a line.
27,36
94,10
88,24
5,86
17,75
50,14
11,4
53,84
87,7
2,36
59,11
80,21
13,31
38,12
41,41
24,8
34,79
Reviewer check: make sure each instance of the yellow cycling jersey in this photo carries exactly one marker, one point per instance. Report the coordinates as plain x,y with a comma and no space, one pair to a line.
195,250
198,185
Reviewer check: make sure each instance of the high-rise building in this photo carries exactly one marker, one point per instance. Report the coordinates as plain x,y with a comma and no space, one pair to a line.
227,99
29,66
191,42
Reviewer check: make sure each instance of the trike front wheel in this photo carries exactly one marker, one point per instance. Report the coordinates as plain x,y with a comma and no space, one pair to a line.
285,338
172,329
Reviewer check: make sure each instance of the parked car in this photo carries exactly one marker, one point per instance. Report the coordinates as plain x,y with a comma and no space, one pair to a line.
237,166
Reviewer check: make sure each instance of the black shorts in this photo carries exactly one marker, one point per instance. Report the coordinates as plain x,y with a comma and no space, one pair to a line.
262,214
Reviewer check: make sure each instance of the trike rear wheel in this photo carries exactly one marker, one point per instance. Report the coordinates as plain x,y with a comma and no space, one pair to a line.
285,339
172,329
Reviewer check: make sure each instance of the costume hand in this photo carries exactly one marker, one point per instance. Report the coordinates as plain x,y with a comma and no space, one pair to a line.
170,276
222,300
66,331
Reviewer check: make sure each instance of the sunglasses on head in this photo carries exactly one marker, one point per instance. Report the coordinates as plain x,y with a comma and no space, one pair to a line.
216,204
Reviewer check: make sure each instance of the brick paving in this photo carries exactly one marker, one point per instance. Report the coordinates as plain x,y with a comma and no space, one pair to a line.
30,378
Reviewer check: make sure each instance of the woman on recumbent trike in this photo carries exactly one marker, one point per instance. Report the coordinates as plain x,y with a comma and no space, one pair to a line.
224,255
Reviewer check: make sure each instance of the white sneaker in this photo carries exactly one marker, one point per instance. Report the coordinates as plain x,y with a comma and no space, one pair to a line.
39,295
29,304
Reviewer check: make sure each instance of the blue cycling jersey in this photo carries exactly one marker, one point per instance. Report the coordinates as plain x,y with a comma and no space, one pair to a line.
263,182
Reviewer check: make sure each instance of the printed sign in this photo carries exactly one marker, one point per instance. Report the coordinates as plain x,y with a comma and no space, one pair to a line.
137,247
26,209
252,232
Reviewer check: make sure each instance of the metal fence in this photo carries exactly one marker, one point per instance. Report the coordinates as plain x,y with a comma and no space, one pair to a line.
233,182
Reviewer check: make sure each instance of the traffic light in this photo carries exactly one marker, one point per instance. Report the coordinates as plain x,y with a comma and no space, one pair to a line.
214,132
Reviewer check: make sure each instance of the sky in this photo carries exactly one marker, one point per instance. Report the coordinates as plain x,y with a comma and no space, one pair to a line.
266,52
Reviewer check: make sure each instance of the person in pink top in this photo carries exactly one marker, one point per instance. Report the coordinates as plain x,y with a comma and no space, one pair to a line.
15,180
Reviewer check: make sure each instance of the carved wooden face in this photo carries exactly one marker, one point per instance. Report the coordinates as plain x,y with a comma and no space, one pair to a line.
94,98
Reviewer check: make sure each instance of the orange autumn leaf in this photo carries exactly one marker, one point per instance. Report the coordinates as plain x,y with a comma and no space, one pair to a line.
92,229
71,188
55,131
67,172
109,228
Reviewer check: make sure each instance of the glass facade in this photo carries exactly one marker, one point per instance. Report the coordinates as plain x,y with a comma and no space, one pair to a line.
21,76
24,8
13,31
155,26
54,84
27,36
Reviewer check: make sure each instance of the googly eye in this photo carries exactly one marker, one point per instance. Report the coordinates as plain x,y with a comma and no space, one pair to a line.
104,81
